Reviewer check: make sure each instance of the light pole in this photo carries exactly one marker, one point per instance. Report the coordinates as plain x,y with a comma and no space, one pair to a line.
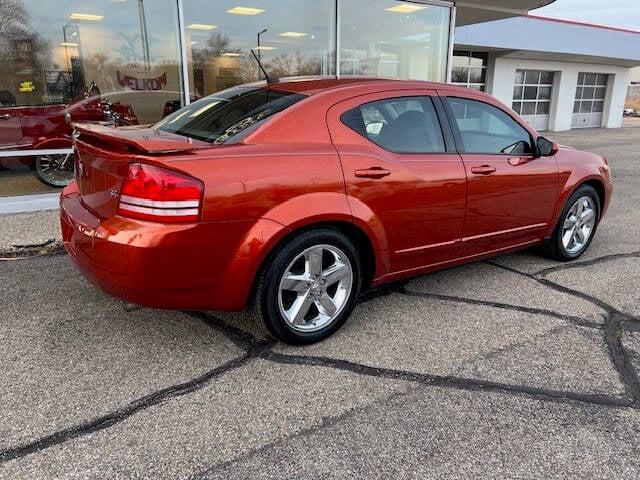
144,35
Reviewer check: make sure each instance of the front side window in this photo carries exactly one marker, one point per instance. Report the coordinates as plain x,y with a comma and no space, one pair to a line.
221,118
401,125
487,129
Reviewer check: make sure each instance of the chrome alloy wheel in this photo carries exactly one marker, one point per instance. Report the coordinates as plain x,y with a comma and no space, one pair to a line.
578,225
55,170
315,288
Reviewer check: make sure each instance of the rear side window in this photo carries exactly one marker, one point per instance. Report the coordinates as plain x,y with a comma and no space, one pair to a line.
487,129
228,115
401,125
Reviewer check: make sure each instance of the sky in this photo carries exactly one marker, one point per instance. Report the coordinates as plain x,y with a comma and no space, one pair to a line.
615,13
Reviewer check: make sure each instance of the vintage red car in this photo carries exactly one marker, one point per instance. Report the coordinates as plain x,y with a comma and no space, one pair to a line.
49,127
294,197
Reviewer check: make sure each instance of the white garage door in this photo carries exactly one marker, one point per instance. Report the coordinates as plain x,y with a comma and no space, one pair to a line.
532,96
590,95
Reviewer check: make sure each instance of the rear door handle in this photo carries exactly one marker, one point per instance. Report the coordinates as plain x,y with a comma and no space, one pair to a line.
373,172
483,170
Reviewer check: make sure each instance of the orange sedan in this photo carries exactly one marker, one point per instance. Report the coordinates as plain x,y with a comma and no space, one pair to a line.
294,197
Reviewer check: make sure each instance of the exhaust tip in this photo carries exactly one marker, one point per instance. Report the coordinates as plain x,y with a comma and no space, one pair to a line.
130,307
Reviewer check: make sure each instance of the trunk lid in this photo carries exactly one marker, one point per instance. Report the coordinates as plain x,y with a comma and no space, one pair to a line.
103,155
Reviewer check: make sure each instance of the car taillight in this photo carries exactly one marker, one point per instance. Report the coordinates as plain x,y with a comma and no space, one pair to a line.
160,195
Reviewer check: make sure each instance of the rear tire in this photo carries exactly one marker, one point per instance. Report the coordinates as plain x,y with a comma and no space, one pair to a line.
309,286
56,171
576,226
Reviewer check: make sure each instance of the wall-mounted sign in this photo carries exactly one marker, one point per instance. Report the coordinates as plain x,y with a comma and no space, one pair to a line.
137,77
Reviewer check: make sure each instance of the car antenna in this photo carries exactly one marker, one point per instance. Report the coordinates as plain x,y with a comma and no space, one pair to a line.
270,79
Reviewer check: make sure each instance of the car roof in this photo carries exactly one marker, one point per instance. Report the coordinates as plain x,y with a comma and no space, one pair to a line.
317,84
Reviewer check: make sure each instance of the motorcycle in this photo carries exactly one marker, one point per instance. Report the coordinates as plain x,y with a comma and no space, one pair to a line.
50,128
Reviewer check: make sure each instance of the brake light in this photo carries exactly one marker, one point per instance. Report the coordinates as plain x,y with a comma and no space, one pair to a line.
160,195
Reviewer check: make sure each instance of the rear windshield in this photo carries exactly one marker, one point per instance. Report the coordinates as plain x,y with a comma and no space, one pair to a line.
228,115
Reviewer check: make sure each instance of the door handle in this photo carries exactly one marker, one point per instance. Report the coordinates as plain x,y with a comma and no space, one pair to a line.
483,170
5,116
373,172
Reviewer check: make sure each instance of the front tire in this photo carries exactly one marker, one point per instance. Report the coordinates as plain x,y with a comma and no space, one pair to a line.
309,286
576,226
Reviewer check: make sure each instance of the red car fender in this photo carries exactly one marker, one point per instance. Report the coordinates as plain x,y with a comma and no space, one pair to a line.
53,143
295,214
569,183
364,218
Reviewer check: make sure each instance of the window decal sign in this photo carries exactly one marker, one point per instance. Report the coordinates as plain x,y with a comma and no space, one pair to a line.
138,77
27,86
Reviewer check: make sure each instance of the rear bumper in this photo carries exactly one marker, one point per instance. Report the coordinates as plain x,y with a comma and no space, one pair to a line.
183,266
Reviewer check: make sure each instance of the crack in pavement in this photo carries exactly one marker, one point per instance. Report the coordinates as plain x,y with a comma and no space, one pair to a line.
614,322
132,408
581,322
594,261
240,338
561,288
27,252
325,422
450,381
255,348
497,352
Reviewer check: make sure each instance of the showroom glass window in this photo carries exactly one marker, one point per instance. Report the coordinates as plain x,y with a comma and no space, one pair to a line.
291,38
469,69
53,50
394,39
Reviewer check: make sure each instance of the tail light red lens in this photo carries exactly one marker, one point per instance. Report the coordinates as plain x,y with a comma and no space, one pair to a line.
160,195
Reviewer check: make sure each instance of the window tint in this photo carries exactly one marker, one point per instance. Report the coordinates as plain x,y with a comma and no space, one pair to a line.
224,116
487,129
402,125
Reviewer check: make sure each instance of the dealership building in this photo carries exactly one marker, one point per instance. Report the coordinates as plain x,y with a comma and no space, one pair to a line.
557,74
152,56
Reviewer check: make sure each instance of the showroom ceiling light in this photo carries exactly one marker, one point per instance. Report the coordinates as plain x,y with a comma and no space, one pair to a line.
68,44
405,8
231,54
201,26
246,11
263,47
86,16
293,34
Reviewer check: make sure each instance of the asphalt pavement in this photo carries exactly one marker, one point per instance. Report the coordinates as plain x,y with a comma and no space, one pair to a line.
516,367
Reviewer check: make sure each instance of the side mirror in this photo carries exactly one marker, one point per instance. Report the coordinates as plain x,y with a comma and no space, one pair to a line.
546,148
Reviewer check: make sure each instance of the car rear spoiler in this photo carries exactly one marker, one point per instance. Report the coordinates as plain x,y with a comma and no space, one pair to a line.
137,139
